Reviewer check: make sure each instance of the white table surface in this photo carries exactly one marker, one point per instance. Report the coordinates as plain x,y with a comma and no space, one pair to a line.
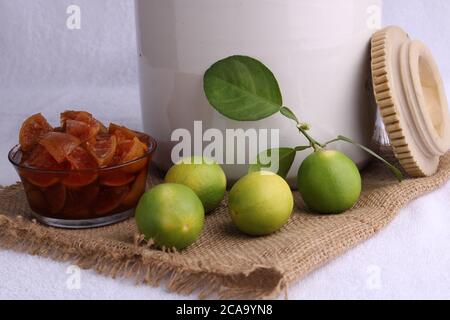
410,259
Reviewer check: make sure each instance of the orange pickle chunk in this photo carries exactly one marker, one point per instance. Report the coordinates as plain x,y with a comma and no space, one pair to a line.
137,190
109,199
103,149
56,198
32,130
83,167
59,145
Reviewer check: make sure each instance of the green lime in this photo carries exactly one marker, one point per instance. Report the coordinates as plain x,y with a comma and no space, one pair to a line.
260,203
329,182
171,215
204,177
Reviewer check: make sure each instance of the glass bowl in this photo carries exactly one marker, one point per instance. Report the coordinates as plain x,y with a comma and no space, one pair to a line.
84,198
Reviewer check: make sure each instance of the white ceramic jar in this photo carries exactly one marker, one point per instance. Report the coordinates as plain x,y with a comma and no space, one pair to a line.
317,49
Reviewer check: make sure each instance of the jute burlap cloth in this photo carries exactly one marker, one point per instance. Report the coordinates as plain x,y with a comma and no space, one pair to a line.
223,263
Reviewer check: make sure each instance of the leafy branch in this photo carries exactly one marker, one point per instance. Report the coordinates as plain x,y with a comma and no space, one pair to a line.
244,89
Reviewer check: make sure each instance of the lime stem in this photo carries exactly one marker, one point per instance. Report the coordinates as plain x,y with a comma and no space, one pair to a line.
332,141
311,140
302,127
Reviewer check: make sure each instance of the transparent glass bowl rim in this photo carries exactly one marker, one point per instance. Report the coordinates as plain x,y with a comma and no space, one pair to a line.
153,145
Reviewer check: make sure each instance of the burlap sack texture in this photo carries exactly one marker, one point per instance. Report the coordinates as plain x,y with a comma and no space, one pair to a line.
223,263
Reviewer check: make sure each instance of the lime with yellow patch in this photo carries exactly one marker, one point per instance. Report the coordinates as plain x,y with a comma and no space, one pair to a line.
205,177
260,203
171,215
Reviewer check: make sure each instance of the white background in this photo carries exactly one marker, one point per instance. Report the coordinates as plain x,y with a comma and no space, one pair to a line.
44,67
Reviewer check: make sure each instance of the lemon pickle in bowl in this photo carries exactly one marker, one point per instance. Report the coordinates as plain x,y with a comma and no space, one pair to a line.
81,174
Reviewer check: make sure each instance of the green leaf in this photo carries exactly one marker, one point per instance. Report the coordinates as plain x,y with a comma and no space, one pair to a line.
243,89
398,174
267,161
288,113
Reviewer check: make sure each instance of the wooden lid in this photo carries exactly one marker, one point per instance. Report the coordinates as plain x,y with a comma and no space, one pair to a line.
411,97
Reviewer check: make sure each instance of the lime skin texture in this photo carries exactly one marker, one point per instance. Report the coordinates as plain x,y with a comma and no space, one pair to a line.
329,182
205,177
260,203
171,215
